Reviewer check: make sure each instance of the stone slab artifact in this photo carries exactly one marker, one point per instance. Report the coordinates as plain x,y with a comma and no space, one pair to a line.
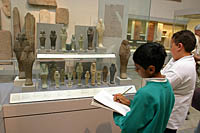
30,29
124,53
48,28
44,16
6,7
83,30
43,2
62,16
6,48
16,22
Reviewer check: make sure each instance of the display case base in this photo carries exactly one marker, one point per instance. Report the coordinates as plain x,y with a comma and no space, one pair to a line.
19,82
120,81
101,50
31,88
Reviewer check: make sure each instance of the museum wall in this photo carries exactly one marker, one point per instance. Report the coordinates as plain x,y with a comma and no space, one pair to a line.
166,8
139,7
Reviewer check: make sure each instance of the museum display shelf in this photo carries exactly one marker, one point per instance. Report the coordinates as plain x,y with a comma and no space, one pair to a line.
75,56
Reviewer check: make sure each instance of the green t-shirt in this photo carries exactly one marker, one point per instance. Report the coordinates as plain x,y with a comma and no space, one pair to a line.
150,109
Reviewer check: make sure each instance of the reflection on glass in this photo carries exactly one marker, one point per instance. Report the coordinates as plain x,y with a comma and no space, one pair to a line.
142,31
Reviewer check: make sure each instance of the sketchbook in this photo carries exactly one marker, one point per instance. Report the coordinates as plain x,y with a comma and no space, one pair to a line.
105,100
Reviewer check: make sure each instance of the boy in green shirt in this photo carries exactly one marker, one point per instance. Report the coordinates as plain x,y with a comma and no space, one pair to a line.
153,103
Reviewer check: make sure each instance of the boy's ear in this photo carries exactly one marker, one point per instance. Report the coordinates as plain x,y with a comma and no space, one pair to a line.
180,46
151,69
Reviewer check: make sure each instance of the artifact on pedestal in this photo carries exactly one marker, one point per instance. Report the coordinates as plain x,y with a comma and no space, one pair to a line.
16,22
105,73
63,38
43,2
53,38
19,45
69,75
73,42
100,30
44,16
87,77
98,77
57,78
62,16
112,73
124,53
79,71
90,35
74,77
44,74
30,30
6,7
42,39
52,68
81,42
93,73
28,59
62,76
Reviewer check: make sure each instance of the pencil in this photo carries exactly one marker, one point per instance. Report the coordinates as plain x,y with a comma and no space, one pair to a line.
126,90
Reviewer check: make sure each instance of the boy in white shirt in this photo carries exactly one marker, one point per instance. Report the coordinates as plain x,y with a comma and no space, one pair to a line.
181,73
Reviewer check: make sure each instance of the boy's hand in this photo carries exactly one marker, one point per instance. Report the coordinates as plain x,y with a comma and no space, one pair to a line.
121,99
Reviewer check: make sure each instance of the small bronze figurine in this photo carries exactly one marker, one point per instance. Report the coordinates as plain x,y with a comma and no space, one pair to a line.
53,38
105,73
112,73
42,39
90,35
124,53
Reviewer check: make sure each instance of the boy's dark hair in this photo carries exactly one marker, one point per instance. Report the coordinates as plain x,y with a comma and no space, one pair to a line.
150,54
187,38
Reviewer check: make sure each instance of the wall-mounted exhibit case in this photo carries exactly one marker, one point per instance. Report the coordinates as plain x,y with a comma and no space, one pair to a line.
67,61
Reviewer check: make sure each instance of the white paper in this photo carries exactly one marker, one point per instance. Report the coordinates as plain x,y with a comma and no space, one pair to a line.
107,99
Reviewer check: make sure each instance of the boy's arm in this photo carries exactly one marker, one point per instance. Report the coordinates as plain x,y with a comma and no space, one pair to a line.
142,111
173,78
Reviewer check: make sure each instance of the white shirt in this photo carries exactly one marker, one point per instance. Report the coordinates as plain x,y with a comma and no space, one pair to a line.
197,50
182,76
